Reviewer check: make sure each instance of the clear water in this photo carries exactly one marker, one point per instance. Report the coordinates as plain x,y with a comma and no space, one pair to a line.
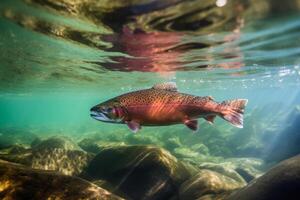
57,60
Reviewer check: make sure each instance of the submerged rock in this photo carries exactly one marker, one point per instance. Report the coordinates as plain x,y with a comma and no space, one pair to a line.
14,149
6,142
142,139
13,136
139,172
56,142
18,154
95,146
248,168
224,170
19,182
184,152
206,184
172,143
200,148
56,153
221,196
239,169
281,182
59,154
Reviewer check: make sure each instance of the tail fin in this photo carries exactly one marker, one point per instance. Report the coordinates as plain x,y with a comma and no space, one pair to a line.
233,110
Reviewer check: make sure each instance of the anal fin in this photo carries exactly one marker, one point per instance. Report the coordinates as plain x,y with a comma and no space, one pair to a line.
191,124
210,118
133,126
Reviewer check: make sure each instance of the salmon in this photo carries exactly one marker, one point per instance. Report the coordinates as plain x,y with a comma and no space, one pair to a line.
163,105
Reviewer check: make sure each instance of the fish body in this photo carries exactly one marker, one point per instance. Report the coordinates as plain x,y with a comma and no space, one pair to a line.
163,105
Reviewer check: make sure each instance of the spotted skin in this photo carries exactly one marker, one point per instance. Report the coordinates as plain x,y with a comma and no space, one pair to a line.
163,105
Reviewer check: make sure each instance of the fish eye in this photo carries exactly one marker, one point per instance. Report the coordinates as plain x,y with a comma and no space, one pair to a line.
109,109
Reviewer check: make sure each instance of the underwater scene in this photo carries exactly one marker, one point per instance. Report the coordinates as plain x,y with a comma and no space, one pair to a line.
150,99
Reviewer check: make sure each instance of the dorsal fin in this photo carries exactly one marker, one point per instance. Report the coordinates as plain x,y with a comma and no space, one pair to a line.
170,86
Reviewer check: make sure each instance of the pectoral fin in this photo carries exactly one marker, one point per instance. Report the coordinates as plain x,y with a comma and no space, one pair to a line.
133,126
210,118
191,124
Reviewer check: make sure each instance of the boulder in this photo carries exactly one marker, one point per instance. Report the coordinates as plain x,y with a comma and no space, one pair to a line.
59,154
280,182
172,143
18,154
56,153
15,136
239,169
200,148
225,170
95,146
139,172
184,152
19,182
221,196
142,139
6,142
207,182
248,168
56,142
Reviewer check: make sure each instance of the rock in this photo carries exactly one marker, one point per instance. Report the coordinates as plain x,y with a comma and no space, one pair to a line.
225,170
207,182
14,149
142,139
56,143
19,182
200,148
139,172
6,142
192,169
56,153
183,152
18,154
221,196
59,154
200,159
172,143
239,169
95,146
281,182
35,142
248,168
14,136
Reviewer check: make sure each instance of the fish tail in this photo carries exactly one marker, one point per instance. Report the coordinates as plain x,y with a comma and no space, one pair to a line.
233,110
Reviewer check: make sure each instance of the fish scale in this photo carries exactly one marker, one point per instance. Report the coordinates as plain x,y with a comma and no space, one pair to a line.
163,105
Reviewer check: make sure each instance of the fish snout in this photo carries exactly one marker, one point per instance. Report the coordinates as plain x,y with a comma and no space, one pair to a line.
102,113
94,109
96,113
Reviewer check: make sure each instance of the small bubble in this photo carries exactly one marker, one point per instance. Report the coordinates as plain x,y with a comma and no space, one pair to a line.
221,3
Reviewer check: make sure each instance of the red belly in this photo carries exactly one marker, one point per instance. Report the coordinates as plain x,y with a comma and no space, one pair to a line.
160,114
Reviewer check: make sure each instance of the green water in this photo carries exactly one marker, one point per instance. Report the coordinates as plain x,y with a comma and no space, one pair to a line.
57,61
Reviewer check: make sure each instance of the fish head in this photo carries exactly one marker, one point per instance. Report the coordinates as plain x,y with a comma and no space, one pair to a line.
110,111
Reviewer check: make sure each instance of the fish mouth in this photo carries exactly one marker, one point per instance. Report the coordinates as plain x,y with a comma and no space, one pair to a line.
103,117
100,116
